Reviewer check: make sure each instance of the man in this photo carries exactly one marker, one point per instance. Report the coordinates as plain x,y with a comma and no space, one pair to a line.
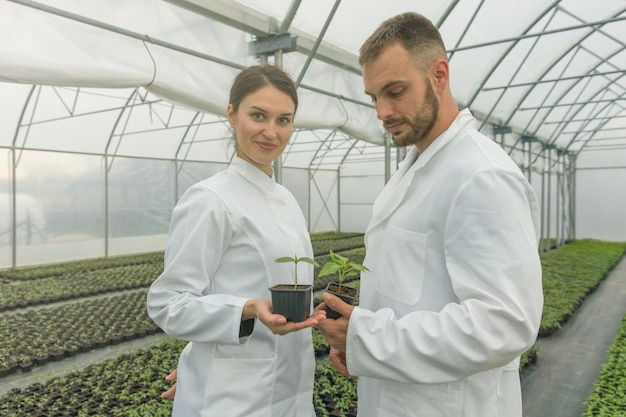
453,296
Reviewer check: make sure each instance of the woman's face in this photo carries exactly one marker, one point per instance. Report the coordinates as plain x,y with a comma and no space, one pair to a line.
262,125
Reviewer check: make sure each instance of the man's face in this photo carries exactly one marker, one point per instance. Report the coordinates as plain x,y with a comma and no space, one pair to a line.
404,97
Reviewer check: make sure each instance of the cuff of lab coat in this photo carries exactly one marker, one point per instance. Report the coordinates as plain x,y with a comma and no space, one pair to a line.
352,339
246,327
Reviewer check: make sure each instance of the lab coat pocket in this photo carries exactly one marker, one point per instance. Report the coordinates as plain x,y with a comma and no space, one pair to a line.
420,400
242,386
401,268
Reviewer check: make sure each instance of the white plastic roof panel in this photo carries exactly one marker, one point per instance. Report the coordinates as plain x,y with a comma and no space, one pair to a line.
548,69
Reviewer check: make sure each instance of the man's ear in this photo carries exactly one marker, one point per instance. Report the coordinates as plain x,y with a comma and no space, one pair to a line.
441,74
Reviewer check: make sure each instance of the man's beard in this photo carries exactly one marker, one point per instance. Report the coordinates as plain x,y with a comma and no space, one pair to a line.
423,122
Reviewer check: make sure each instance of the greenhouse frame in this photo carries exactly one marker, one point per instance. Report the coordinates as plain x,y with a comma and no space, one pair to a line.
111,110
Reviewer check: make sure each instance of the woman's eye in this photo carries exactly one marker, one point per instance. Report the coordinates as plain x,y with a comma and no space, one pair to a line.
258,116
284,120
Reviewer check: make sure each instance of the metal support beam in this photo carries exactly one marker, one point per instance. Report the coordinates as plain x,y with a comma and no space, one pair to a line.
502,129
272,43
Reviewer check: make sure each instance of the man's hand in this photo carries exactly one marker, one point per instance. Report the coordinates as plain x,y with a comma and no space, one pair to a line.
170,393
335,330
338,360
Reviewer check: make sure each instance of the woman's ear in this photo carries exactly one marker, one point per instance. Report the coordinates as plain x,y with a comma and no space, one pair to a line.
230,113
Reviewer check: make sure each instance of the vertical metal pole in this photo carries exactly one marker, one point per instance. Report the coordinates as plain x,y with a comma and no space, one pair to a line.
542,246
106,206
558,200
175,181
278,162
339,199
13,208
529,161
573,197
549,199
308,214
278,58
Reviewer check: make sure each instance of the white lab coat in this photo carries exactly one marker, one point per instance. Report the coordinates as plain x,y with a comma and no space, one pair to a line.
454,294
225,234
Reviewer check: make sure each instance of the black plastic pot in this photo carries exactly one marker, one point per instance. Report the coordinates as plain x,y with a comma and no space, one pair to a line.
292,302
347,295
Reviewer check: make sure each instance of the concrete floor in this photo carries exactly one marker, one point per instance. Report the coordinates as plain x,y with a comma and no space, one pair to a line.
569,361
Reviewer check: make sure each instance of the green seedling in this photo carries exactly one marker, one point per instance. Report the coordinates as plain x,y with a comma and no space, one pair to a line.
341,266
295,260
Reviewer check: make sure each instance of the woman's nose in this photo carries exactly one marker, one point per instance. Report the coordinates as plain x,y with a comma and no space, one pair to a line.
270,131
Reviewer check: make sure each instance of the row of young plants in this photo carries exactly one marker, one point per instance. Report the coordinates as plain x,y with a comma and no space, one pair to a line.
20,294
38,336
324,246
608,398
316,237
77,284
130,384
603,257
570,273
47,271
52,283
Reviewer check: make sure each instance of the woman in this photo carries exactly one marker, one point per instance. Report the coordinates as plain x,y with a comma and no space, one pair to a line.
225,233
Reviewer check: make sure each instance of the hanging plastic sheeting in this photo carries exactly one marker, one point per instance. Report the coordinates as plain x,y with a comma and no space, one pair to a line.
177,55
546,69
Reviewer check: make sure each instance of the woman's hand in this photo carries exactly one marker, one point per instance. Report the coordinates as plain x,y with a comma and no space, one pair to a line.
261,308
170,393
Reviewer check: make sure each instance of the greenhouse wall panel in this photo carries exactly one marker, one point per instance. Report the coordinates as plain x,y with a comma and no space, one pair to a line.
602,203
189,173
324,215
140,196
137,244
297,182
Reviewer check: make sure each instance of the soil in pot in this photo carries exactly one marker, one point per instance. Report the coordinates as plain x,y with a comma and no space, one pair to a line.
293,302
347,295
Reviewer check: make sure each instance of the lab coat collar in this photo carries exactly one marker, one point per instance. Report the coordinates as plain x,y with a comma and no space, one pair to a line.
462,120
252,174
395,190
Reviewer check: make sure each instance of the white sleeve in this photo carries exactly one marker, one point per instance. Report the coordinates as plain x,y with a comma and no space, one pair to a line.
200,232
493,263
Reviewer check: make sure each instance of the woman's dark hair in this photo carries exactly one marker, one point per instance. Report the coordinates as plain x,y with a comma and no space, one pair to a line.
253,78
